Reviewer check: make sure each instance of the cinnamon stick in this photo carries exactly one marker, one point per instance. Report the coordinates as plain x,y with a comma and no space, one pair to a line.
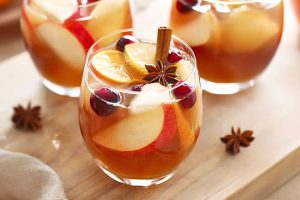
164,35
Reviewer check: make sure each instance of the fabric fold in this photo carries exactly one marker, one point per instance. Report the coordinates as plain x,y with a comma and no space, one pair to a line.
24,177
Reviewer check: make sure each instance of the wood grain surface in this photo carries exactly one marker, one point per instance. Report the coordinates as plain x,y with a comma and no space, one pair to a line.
271,109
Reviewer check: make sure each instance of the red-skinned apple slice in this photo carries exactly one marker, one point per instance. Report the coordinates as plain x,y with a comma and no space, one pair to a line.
81,33
63,43
86,2
168,140
143,132
132,133
186,134
76,15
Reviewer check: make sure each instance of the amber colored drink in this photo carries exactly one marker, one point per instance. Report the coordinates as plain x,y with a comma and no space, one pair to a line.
4,3
150,162
139,132
234,41
58,35
297,8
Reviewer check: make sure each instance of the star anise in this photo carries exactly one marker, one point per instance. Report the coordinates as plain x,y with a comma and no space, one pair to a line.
236,139
161,73
27,118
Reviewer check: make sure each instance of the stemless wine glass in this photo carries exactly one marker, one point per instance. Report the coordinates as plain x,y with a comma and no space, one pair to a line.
58,33
138,131
296,5
234,41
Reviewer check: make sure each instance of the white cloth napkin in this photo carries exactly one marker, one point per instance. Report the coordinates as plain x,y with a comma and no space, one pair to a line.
26,178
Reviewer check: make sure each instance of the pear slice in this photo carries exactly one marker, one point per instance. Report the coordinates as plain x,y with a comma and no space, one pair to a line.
134,132
246,31
63,43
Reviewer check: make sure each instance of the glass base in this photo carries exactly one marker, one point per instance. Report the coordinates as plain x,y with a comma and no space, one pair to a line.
225,88
61,90
137,182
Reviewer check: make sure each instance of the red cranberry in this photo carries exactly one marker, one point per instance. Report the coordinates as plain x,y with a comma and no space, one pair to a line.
186,93
102,99
137,88
174,57
127,39
185,5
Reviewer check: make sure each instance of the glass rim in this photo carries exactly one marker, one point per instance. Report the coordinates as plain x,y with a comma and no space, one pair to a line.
233,2
26,2
88,70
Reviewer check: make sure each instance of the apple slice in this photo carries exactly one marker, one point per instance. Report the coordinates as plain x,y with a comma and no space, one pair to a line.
186,134
168,140
193,27
132,133
151,96
139,131
34,14
247,30
56,9
154,126
108,16
185,72
80,32
63,43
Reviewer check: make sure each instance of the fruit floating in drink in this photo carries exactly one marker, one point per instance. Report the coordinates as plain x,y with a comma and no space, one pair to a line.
58,34
139,116
234,41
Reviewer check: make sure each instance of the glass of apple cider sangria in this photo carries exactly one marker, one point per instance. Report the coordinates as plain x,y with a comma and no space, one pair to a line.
140,111
58,33
233,40
296,5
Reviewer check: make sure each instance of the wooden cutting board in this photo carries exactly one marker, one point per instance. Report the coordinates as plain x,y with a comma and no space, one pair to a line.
271,109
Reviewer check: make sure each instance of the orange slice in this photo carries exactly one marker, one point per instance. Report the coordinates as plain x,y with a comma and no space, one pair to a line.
139,54
111,65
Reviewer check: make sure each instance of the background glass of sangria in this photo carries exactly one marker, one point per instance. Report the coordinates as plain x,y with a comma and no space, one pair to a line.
138,130
233,40
4,3
296,5
58,33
